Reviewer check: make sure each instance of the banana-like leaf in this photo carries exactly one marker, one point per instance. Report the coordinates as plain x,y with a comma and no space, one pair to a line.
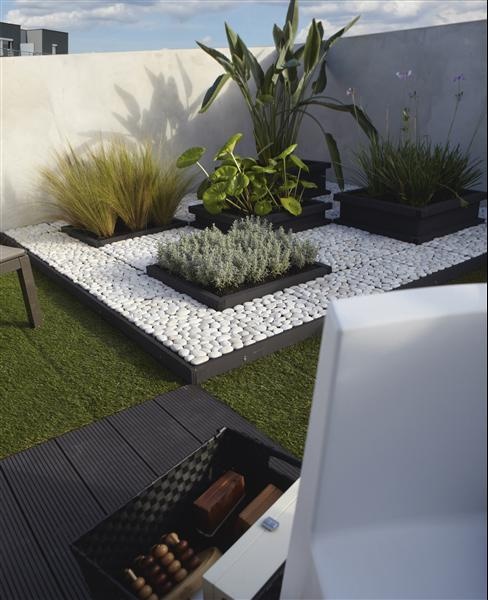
312,47
229,146
359,115
218,56
319,85
231,37
287,151
340,33
291,63
265,98
262,208
253,64
278,37
320,27
298,162
213,91
237,184
292,17
292,205
335,159
224,173
190,157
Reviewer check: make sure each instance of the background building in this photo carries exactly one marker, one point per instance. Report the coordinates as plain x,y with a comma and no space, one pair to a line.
15,41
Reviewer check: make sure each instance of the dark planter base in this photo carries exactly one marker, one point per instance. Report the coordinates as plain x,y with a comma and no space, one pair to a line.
244,295
198,374
408,223
90,238
317,174
313,215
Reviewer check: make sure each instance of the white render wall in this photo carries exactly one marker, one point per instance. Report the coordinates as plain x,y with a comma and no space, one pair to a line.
47,101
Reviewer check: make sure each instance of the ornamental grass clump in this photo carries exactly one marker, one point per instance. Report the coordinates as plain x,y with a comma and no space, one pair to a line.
115,182
250,253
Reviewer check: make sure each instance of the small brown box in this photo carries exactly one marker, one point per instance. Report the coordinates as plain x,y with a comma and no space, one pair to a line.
257,507
214,505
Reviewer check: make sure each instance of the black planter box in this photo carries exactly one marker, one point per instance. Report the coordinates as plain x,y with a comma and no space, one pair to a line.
409,223
90,238
243,295
166,505
317,174
313,215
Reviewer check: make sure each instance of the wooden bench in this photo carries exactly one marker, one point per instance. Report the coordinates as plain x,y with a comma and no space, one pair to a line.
16,259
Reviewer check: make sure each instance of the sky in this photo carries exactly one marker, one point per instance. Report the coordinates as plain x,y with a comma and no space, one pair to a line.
125,25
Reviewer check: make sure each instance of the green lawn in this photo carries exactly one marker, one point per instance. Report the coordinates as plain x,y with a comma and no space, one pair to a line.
76,369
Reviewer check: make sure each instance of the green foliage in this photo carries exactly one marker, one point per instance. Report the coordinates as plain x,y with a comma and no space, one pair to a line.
115,181
416,173
250,253
77,186
241,184
279,98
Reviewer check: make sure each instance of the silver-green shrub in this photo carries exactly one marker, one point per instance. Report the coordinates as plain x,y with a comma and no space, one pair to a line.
250,253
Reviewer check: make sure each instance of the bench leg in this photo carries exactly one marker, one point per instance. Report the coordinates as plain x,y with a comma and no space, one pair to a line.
26,280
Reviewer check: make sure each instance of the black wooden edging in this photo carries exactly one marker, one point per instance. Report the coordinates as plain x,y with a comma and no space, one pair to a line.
171,360
88,238
245,294
216,366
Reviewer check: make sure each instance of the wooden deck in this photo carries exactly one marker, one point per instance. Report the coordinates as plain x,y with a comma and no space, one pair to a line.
54,492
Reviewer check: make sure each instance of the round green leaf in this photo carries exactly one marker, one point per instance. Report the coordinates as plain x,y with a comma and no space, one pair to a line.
224,173
292,205
298,162
190,157
287,151
237,184
263,207
217,191
214,205
229,146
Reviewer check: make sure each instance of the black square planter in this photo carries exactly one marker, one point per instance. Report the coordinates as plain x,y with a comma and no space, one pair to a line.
313,215
317,173
91,239
409,223
243,295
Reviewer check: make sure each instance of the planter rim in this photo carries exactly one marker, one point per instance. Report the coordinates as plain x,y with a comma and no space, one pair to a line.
240,296
360,196
89,238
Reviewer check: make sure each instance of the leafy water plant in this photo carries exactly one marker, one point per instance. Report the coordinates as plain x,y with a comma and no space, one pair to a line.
242,184
280,96
115,182
249,254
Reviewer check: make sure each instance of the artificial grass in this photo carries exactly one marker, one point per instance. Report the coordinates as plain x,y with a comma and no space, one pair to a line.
77,369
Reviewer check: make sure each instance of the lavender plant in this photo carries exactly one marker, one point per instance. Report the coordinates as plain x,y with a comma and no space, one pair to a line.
249,254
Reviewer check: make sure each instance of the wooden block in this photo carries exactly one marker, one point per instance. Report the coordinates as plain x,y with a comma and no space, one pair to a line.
257,507
214,505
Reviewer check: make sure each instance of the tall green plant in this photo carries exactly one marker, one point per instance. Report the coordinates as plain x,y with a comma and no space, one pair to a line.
77,188
279,97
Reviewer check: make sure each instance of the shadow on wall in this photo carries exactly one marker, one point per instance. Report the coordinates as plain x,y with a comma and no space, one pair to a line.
171,122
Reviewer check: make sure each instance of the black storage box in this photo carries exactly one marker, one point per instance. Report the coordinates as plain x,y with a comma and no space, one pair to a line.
166,505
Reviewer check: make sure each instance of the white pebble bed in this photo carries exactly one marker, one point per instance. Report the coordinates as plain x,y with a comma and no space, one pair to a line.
362,263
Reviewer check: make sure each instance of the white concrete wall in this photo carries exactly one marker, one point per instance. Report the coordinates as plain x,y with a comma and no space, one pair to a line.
48,101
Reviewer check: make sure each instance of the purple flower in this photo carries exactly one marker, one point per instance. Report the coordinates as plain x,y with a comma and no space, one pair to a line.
350,91
459,77
404,75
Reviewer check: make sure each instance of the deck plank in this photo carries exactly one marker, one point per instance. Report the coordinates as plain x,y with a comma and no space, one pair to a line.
55,492
156,435
110,468
59,509
20,553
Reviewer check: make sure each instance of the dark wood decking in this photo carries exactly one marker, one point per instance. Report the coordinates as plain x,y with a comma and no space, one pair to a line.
54,492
